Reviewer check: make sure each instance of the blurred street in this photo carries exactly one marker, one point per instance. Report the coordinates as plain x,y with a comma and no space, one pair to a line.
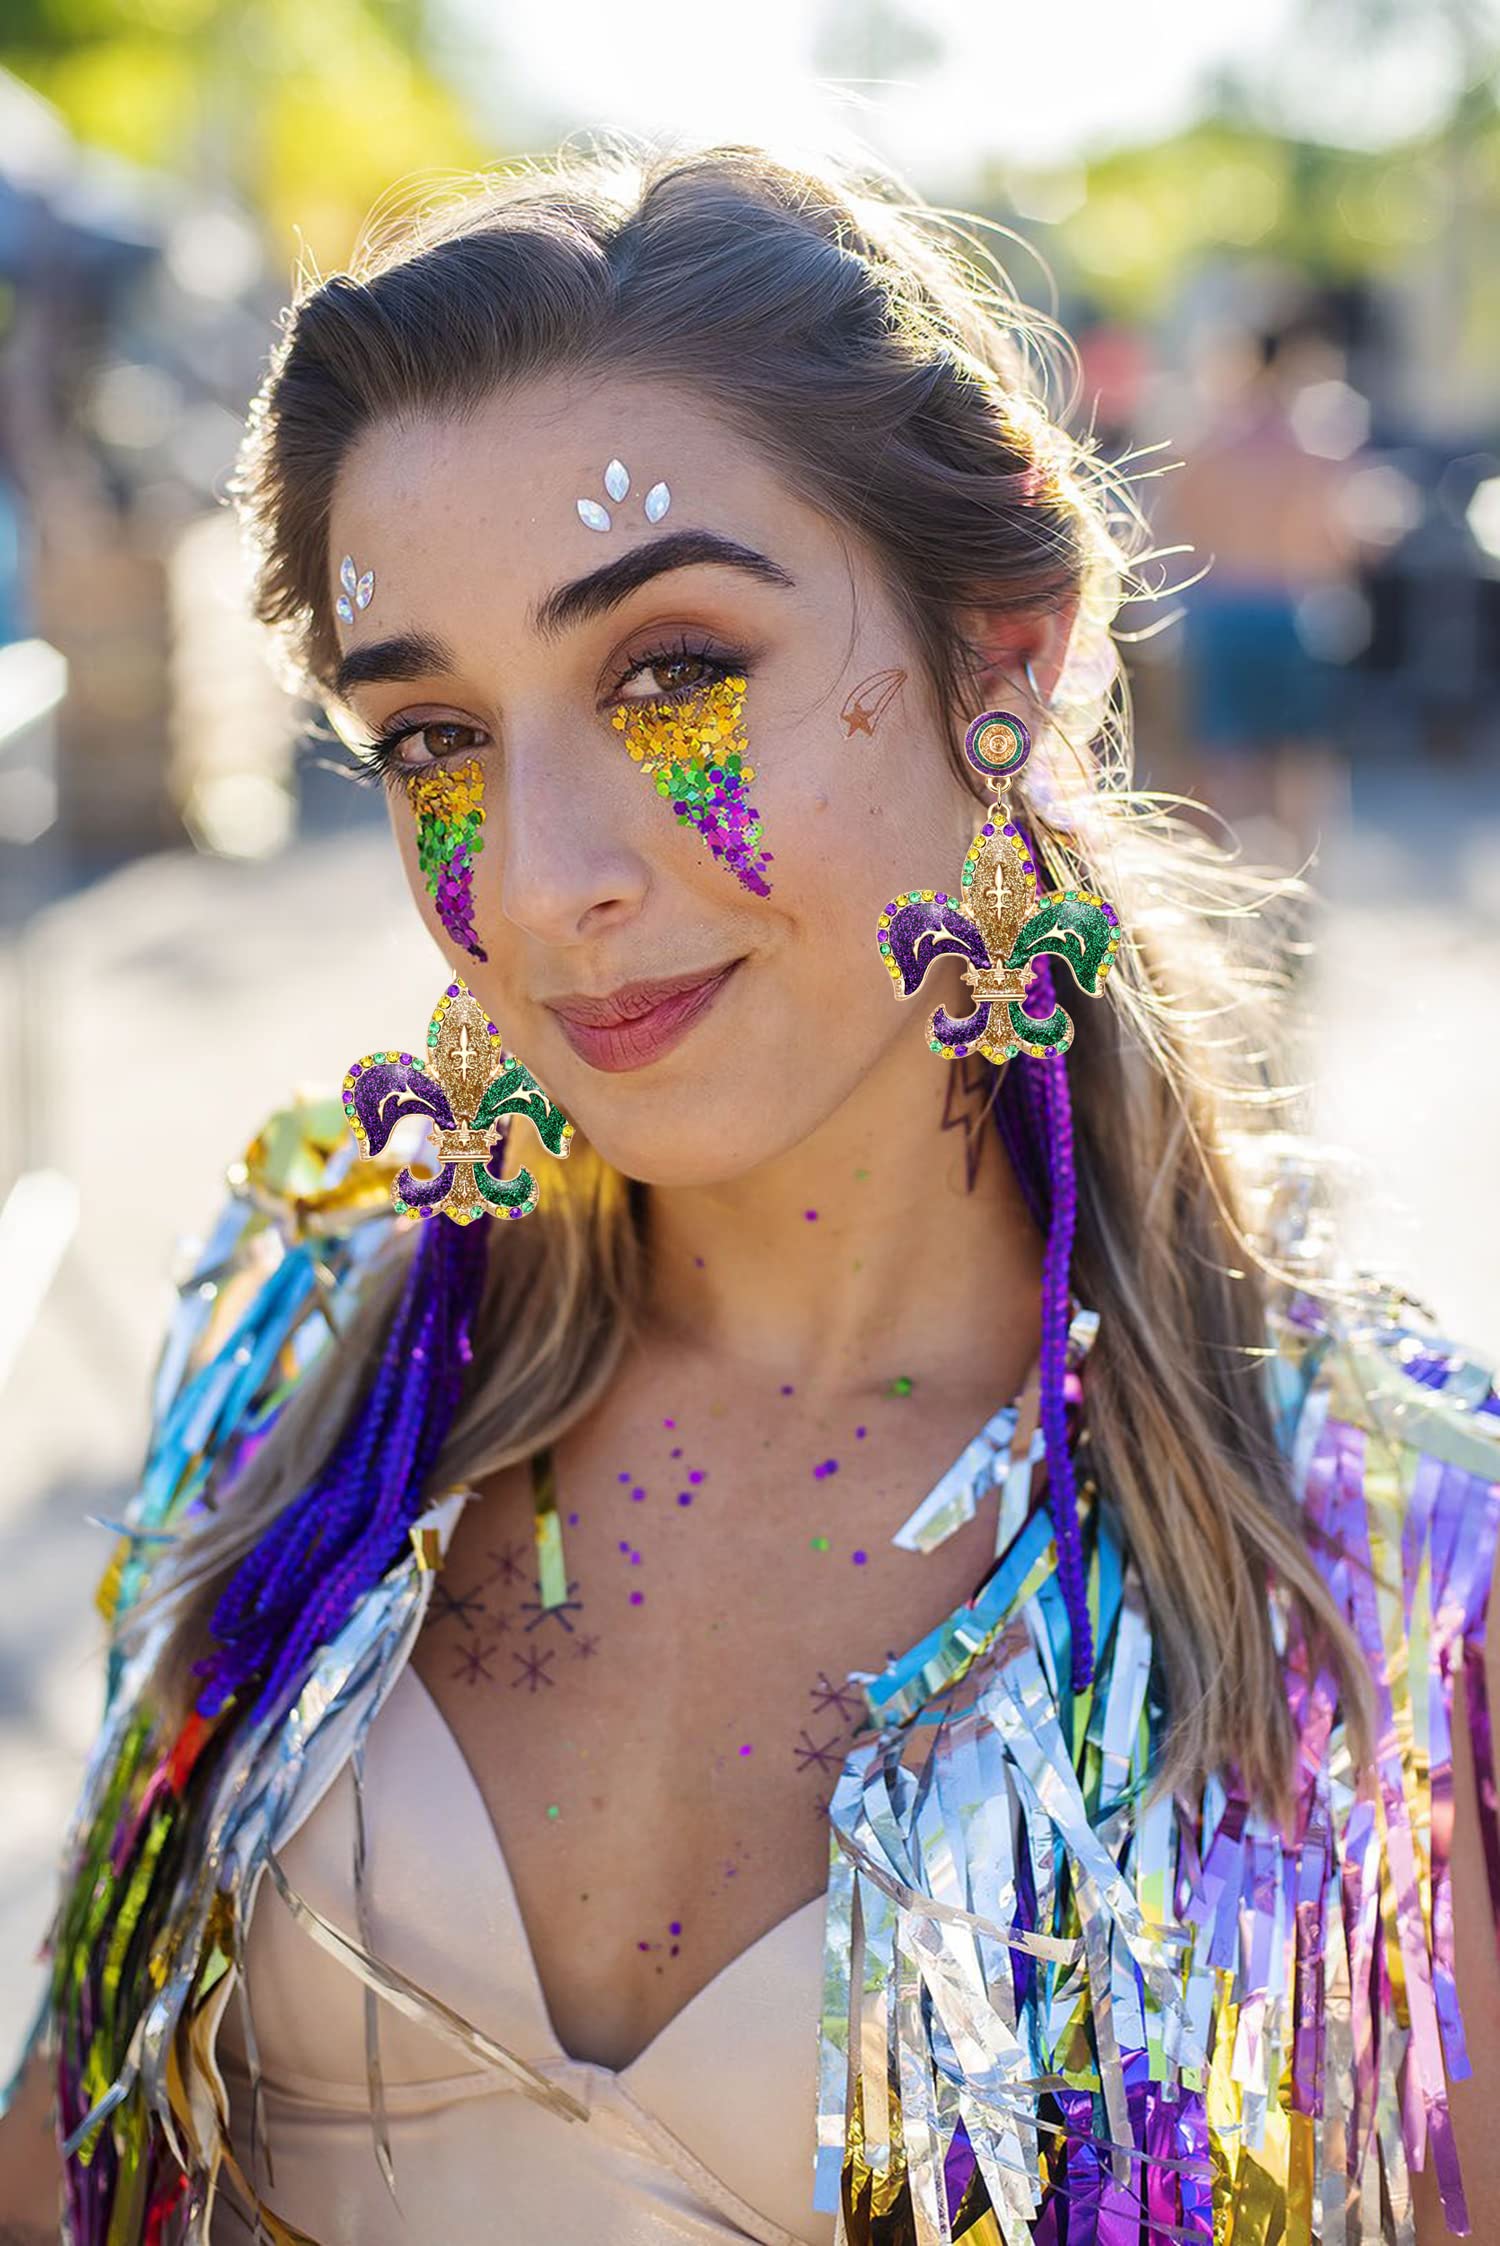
181,997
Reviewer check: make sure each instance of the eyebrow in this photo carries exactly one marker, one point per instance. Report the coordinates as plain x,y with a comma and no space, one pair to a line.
414,654
605,588
405,655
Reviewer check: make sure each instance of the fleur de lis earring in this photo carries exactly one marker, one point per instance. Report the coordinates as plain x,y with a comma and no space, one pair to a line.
474,1087
356,592
997,924
617,483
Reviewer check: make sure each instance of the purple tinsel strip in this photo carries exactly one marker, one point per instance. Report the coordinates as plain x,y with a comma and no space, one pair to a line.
296,1587
1051,1109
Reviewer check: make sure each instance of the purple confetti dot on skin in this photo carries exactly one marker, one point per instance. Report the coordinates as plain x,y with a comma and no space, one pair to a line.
635,1559
677,1450
859,1558
811,1215
637,1494
643,1945
859,1434
696,1475
572,1520
637,1598
624,1547
624,1477
669,1423
684,1497
786,1388
746,1749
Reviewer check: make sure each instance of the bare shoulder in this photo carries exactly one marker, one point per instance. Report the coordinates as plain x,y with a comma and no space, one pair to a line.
1476,1941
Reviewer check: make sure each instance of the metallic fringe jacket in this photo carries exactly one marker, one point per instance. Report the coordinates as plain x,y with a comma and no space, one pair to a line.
1050,2010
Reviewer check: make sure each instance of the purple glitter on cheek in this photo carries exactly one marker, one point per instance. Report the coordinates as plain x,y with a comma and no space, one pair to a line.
449,804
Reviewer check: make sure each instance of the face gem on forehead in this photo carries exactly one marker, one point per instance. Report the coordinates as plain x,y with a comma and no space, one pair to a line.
357,590
693,752
594,515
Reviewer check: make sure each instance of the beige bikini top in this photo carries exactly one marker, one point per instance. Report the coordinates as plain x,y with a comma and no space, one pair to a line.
718,2106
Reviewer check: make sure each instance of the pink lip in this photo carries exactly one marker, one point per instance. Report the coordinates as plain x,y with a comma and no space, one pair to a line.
639,1022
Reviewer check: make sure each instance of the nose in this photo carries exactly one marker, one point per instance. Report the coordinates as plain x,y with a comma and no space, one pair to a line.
560,862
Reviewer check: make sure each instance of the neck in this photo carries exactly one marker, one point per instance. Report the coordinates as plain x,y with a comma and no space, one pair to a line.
864,1253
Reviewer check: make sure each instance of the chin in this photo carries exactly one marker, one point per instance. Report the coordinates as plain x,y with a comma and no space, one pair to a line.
687,1143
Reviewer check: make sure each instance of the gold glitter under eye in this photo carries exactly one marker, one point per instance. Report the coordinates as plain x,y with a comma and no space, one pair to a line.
694,754
448,800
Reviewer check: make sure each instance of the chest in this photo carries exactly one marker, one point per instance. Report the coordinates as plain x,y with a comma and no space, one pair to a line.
657,1753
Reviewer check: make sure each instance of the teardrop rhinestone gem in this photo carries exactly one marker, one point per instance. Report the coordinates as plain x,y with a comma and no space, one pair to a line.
591,513
348,575
364,589
342,610
617,479
658,500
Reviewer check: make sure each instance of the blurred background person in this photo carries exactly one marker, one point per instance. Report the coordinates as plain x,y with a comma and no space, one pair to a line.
1261,501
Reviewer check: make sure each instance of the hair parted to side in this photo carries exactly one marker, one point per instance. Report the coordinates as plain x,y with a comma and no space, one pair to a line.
878,356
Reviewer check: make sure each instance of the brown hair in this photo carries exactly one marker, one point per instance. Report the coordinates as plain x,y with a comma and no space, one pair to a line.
883,364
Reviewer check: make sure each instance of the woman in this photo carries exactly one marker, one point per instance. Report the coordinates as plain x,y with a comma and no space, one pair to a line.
584,1627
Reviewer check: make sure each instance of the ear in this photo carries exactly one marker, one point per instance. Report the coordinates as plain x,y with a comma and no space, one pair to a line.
1004,641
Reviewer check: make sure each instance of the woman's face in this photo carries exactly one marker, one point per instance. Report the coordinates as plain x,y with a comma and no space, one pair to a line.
574,685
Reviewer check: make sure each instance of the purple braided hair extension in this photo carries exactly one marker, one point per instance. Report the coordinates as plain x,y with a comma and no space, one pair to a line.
294,1590
1044,1087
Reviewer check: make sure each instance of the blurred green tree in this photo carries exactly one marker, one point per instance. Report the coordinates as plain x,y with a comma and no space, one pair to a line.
306,114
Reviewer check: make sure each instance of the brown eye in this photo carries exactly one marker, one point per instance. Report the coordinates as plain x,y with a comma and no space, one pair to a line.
668,677
404,749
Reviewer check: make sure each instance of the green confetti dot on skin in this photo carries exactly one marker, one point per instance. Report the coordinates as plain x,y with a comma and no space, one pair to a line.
818,1543
900,1386
552,1809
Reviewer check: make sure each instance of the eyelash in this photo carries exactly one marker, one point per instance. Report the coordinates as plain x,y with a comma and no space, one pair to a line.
381,758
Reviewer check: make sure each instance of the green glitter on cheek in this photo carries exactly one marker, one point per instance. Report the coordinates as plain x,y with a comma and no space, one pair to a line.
449,804
693,754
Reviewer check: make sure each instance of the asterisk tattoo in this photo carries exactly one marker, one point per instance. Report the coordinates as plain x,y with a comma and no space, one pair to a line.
826,1694
585,1647
562,1610
463,1607
531,1669
810,1756
474,1662
508,1567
